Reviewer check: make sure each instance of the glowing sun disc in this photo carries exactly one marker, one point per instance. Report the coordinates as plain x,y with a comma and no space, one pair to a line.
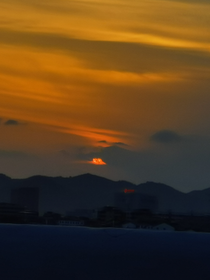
98,161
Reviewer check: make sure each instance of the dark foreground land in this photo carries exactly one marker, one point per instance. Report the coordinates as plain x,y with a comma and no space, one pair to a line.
49,252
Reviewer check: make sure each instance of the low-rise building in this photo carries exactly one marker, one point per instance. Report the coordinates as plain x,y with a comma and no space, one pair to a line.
85,213
129,225
161,227
71,223
164,226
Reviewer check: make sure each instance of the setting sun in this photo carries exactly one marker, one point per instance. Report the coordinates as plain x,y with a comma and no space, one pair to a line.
98,161
107,88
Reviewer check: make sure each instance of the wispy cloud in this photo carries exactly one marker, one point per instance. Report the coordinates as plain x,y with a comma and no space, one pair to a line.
112,143
12,122
120,144
115,50
95,134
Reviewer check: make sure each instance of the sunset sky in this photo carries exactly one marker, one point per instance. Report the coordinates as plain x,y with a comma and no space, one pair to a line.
118,88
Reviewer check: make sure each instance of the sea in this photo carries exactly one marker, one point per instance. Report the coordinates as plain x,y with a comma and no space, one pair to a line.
35,252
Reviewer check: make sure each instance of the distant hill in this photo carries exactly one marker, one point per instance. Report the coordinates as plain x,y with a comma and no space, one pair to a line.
169,199
89,191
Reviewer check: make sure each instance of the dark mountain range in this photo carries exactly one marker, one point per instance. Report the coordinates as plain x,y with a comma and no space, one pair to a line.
169,199
88,191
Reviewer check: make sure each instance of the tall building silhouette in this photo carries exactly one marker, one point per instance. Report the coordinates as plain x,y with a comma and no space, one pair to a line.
26,197
130,201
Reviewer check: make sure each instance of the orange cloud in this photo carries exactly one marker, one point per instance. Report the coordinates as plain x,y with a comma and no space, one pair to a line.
95,134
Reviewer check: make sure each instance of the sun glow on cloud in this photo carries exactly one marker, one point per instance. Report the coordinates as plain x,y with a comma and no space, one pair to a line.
97,161
101,72
95,134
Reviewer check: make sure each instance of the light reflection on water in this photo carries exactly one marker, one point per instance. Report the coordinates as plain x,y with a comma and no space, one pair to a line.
40,252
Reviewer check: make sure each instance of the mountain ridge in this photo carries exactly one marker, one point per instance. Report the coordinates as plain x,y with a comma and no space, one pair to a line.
88,191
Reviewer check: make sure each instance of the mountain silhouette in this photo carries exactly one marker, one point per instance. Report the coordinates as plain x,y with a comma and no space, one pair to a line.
87,191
